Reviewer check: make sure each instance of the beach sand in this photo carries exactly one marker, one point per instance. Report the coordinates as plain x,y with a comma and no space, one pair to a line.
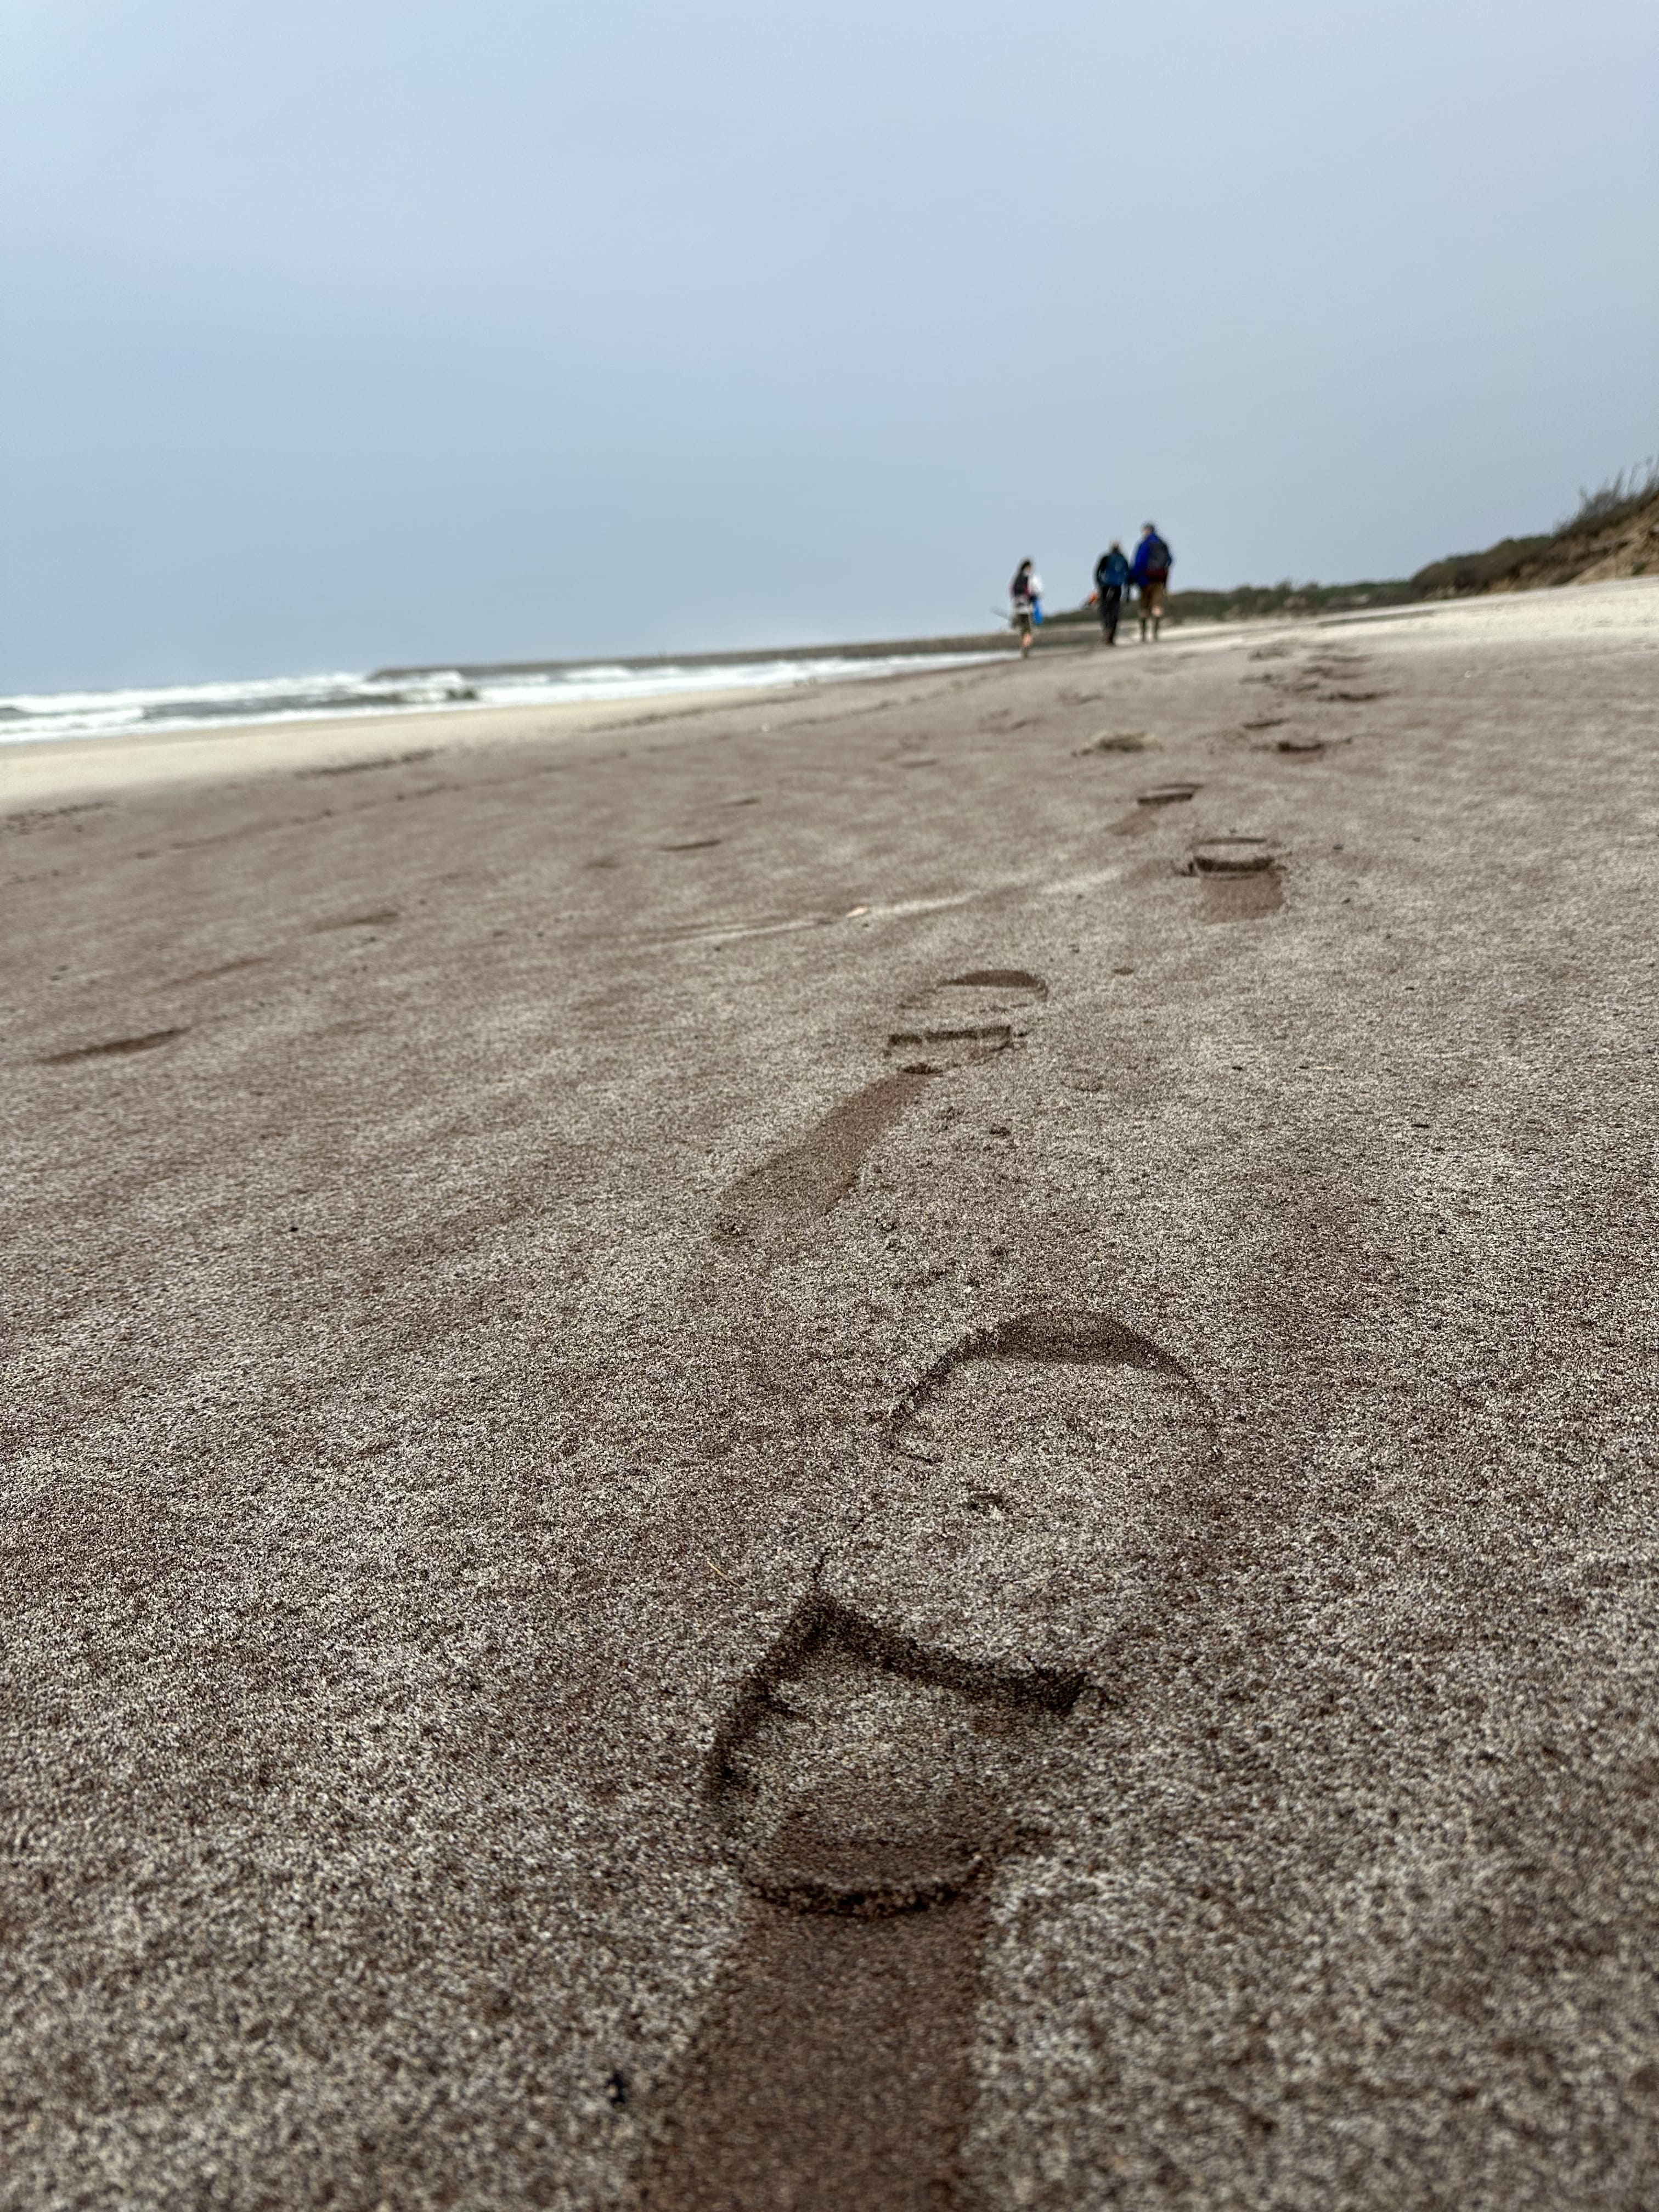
770,1453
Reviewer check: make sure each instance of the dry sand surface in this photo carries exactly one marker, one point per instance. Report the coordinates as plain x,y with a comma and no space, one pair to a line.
789,1458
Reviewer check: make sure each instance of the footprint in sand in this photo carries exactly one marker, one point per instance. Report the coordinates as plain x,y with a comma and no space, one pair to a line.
377,919
1340,671
964,1018
871,1774
1114,741
1241,877
1147,811
1027,1466
362,767
223,968
863,1790
768,1208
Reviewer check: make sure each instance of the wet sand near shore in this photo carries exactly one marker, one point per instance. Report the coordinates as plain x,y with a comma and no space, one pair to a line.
887,1447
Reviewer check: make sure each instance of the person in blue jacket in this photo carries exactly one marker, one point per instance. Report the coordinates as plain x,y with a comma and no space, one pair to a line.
1111,581
1150,574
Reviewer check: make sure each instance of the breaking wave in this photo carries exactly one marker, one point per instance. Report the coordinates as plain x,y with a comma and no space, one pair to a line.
27,717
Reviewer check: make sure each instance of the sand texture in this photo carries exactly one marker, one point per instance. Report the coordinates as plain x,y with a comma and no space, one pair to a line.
778,1457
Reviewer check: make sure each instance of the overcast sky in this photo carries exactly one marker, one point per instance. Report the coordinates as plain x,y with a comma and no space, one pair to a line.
350,332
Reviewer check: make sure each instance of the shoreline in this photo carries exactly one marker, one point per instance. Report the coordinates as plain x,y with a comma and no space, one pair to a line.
53,770
748,656
47,772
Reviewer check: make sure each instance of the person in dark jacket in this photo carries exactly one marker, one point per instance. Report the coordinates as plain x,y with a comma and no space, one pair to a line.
1149,573
1111,580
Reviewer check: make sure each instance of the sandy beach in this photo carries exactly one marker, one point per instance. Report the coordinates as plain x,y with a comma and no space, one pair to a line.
879,1447
73,770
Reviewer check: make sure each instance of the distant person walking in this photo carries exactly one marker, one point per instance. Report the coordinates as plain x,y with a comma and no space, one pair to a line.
1025,599
1150,574
1111,581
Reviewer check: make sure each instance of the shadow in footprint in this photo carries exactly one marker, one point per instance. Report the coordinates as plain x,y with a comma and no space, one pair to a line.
864,1790
1114,741
376,920
997,979
224,968
1053,1335
967,1017
111,1046
945,1045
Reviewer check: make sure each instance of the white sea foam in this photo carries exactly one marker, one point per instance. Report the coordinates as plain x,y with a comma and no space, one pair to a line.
30,717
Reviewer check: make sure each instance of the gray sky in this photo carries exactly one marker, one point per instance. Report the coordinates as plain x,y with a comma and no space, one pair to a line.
359,331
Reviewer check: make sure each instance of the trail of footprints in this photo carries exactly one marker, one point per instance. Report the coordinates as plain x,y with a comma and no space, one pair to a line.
148,1039
872,1773
1331,678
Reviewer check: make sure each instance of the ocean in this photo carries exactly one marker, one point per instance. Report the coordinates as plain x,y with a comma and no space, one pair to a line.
30,717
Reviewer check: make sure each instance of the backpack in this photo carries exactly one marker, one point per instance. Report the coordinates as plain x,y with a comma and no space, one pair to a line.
1158,561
